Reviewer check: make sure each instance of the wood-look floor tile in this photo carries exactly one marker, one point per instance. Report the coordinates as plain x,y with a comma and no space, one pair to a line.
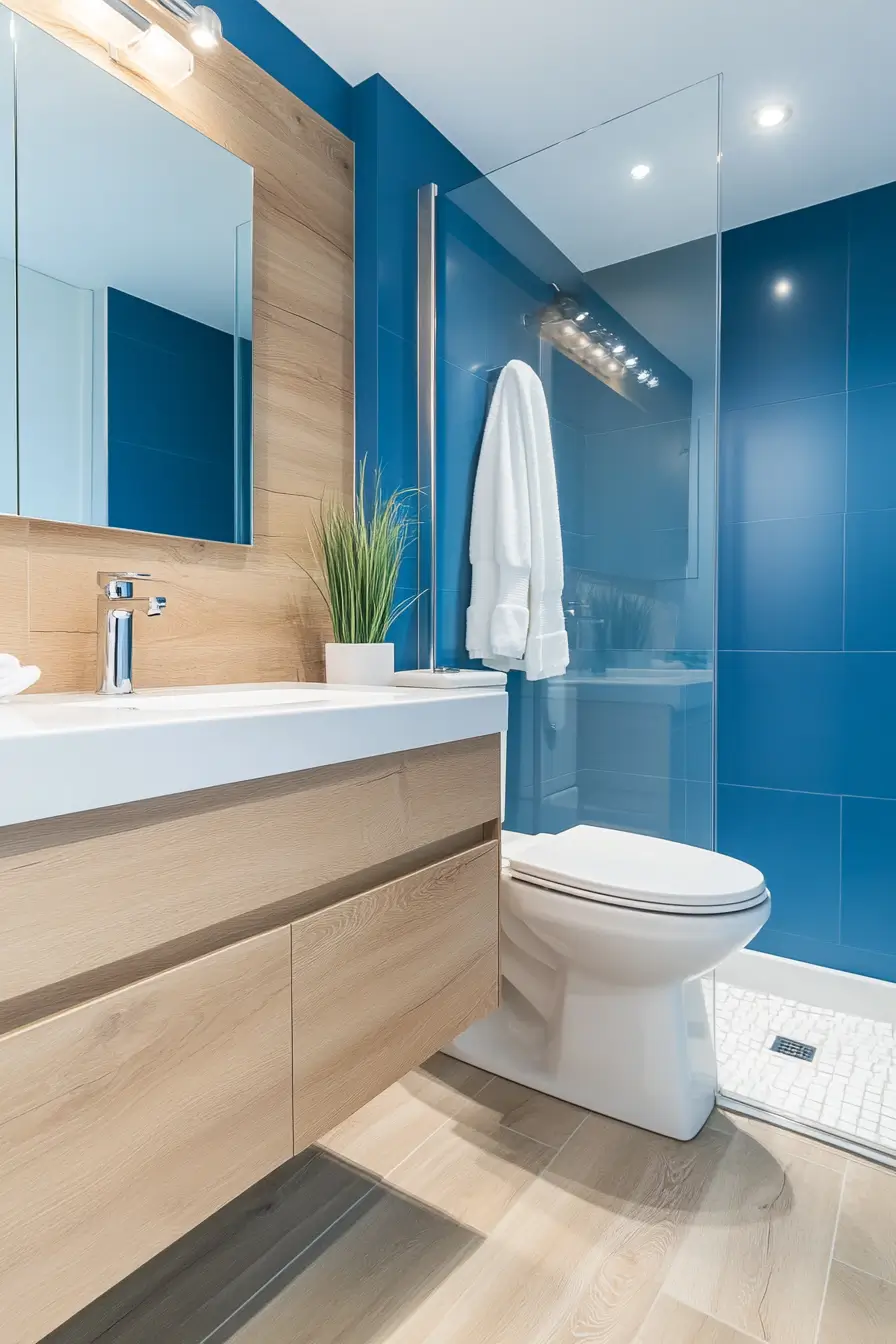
546,1119
365,1283
582,1253
758,1253
472,1169
866,1232
672,1322
858,1309
381,1134
185,1293
783,1143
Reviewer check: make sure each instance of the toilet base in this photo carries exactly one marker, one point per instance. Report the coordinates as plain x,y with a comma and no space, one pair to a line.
644,1057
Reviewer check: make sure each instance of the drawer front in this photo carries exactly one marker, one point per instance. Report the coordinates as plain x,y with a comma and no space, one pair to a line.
128,1120
383,979
85,892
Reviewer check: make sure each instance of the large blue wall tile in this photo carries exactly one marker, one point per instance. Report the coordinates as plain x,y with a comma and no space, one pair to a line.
837,956
461,417
404,632
866,724
871,580
698,820
781,584
465,307
639,734
397,428
785,460
872,287
780,349
794,840
569,447
451,644
871,474
628,802
780,720
869,910
698,731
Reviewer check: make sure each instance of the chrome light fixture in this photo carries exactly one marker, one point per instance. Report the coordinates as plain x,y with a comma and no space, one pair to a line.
203,24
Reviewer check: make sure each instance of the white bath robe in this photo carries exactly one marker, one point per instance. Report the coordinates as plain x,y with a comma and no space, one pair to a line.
515,616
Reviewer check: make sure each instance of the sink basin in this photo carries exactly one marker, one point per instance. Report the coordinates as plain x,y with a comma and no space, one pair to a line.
167,702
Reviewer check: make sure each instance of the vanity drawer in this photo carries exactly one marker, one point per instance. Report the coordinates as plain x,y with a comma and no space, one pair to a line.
106,889
382,980
126,1121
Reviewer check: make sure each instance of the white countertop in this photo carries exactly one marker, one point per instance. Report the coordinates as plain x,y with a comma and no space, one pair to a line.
70,753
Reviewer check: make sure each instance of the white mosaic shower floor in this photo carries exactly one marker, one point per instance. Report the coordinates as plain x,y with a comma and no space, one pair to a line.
850,1086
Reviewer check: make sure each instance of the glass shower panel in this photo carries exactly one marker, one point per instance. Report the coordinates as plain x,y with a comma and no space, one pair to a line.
604,280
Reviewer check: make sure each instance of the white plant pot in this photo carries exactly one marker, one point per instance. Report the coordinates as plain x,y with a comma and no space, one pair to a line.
360,664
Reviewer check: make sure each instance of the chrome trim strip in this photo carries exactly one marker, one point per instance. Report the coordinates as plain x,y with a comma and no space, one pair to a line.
755,1110
427,512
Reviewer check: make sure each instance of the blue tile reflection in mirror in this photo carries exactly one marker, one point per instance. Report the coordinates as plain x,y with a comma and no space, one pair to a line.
134,307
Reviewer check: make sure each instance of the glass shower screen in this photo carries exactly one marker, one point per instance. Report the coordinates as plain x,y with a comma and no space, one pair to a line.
595,261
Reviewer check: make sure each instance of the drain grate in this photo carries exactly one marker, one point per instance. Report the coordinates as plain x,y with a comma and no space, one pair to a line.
783,1045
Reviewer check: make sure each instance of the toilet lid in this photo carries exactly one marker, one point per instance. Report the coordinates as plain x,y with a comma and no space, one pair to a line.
637,870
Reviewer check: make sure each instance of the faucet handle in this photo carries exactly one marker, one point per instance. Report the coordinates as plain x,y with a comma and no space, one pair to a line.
119,584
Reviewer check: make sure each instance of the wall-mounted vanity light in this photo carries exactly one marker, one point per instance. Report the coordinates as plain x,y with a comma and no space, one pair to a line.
137,42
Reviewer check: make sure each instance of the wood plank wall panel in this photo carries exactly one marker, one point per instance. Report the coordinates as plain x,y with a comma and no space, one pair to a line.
191,863
234,614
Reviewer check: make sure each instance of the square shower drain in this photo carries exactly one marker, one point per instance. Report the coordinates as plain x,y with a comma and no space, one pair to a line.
783,1045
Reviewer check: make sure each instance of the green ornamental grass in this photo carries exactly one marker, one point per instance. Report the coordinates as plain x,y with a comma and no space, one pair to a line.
359,551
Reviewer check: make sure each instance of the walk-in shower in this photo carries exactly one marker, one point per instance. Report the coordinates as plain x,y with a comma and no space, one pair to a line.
601,262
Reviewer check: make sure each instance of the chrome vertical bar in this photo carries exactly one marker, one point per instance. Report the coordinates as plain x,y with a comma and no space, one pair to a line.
426,425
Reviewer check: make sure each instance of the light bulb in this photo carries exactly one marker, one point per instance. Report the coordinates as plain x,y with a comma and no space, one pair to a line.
772,115
653,382
782,288
613,367
640,171
618,349
568,329
631,361
580,317
205,28
643,375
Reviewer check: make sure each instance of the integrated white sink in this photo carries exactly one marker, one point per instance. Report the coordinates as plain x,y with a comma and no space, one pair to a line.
74,753
168,702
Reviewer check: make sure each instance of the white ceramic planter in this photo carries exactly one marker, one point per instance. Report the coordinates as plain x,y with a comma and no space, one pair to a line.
360,664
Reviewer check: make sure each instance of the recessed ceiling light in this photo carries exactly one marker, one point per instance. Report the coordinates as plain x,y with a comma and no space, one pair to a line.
782,288
612,367
640,171
771,115
631,361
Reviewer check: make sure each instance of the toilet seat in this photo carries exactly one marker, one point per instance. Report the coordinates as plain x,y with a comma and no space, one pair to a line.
640,872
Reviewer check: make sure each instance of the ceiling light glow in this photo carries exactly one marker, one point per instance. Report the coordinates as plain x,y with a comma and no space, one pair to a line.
771,115
613,367
782,288
640,171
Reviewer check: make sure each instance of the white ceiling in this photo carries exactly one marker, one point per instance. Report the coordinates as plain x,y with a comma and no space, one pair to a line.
505,78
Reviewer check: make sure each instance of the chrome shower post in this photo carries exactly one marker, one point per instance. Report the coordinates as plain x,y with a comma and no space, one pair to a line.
426,426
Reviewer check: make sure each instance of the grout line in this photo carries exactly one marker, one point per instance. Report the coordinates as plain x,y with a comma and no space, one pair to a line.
448,1118
827,1277
216,1332
857,1269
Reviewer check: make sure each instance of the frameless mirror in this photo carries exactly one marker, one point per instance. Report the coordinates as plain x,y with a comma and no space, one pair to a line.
134,308
8,415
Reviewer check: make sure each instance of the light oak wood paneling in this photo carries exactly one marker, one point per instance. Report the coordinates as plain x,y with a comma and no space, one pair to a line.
383,979
125,1122
234,614
92,890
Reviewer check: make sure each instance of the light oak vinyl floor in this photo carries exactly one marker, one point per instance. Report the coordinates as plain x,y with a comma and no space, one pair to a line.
457,1208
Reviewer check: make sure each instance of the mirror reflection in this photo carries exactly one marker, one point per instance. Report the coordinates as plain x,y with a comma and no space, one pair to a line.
133,308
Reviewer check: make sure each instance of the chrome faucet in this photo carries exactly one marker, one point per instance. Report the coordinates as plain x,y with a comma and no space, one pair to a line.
115,609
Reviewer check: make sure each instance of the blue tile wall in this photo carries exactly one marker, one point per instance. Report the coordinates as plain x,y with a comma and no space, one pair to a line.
171,458
807,572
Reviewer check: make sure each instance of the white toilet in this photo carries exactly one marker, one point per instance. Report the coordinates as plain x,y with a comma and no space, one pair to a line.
604,937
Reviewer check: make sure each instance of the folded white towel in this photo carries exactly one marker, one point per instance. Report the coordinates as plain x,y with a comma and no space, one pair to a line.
515,617
14,678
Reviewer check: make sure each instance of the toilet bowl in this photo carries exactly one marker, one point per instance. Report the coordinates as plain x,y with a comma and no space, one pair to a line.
604,937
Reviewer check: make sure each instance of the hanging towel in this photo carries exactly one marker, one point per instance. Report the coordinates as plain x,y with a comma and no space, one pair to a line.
515,616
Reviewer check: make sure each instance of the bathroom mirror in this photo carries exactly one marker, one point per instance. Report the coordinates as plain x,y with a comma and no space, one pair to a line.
133,306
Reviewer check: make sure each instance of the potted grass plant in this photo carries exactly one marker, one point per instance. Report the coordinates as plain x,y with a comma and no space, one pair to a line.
359,549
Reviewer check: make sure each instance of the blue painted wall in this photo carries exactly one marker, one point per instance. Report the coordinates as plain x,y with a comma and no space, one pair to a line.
171,464
807,576
273,46
396,151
